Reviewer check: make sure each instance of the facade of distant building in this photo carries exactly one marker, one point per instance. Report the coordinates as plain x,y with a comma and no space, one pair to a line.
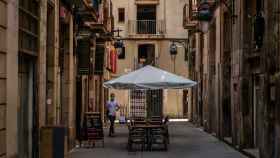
148,29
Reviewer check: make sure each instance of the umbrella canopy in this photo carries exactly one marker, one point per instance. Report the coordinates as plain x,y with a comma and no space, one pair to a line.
149,77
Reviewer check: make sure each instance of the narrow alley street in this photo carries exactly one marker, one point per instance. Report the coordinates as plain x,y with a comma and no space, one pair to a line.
72,72
185,141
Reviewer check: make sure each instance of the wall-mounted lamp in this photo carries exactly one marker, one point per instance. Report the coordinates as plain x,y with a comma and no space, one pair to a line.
173,50
204,11
119,44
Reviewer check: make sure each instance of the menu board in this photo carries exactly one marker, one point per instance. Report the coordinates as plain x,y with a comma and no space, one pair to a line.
94,126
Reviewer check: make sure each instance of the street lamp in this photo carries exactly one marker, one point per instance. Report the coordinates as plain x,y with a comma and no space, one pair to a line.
204,15
204,11
119,45
173,50
173,53
182,43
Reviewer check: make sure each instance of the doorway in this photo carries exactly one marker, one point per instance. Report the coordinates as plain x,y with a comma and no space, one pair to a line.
154,102
146,54
50,59
185,103
257,104
226,78
64,56
79,109
27,118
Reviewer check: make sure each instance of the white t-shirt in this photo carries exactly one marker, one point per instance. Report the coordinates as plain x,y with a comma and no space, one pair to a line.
112,107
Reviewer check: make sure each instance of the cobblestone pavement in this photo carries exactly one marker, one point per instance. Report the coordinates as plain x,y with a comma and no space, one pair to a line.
186,141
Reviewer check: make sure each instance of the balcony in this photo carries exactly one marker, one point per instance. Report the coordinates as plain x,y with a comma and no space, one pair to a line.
104,24
85,11
93,4
190,15
144,28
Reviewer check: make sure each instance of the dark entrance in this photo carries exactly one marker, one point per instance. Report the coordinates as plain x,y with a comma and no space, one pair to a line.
154,102
146,54
185,103
226,72
28,125
79,110
27,119
257,110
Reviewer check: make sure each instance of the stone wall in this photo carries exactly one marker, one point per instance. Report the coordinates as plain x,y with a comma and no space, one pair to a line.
3,76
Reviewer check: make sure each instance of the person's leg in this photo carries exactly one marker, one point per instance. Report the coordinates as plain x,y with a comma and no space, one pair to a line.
110,128
113,124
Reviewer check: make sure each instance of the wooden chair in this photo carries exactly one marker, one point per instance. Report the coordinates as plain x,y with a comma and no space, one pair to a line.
139,121
158,137
166,120
156,120
136,136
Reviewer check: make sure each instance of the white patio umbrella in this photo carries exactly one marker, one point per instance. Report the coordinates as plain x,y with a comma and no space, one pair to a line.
149,77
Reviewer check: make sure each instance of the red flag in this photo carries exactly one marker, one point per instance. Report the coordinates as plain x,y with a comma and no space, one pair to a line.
113,60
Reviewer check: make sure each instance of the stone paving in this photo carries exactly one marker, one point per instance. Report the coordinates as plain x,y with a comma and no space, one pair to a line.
186,141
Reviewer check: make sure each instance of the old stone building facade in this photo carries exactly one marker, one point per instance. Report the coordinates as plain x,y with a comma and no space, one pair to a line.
236,65
8,78
33,80
148,30
269,146
39,70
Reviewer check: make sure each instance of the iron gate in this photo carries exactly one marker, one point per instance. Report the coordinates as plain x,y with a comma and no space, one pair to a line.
138,103
154,102
146,103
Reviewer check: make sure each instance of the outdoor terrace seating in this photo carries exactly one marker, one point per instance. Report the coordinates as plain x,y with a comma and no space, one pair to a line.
148,134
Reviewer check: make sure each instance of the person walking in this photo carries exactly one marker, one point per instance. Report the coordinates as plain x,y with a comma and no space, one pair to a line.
112,107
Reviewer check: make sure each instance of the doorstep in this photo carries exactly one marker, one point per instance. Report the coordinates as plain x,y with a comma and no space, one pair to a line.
254,152
228,140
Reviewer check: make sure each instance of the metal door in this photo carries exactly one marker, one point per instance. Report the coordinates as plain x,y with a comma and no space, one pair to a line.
154,102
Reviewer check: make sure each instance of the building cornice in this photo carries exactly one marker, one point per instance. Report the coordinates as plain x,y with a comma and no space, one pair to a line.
144,2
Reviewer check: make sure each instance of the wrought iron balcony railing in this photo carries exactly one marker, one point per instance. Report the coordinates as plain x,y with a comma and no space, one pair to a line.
154,27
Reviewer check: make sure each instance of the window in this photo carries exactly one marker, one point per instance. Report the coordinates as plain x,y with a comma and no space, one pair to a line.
28,27
99,59
121,14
